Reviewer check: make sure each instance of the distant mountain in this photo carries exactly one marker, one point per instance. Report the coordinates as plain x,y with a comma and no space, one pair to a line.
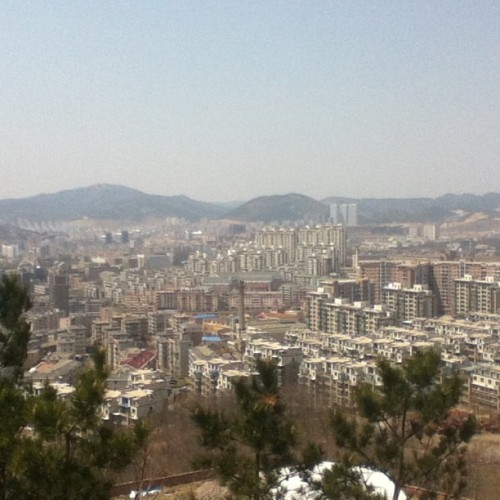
11,234
377,210
287,207
105,201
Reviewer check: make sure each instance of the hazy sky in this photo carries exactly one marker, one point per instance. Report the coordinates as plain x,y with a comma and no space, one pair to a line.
228,100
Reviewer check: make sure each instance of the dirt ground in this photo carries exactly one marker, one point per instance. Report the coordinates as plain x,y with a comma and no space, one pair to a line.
175,443
484,467
483,479
204,490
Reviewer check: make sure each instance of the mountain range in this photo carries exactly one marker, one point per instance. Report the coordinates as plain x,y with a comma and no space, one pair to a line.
107,201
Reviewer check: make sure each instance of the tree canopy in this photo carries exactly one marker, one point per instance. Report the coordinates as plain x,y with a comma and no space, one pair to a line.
14,329
404,429
247,447
52,448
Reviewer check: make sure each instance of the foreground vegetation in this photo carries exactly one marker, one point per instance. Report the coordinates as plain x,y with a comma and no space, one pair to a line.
54,449
49,448
402,430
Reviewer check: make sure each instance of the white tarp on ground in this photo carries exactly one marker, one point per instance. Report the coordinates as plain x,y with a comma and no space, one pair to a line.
292,487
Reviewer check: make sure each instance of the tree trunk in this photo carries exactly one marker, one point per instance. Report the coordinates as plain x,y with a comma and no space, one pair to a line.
397,491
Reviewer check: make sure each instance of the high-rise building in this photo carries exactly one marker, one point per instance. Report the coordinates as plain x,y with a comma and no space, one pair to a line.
285,239
356,290
481,296
444,274
383,272
380,273
59,291
125,237
408,303
344,213
341,316
314,310
430,232
319,265
298,244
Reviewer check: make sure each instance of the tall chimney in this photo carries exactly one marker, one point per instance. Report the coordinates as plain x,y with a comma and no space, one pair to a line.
241,312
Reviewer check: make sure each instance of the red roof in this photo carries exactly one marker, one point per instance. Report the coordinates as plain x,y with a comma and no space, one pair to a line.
140,360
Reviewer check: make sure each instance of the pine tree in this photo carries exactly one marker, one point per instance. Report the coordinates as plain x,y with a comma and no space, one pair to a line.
404,430
14,336
52,448
14,329
248,447
70,453
345,482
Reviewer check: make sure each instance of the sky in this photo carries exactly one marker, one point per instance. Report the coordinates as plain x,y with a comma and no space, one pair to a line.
229,100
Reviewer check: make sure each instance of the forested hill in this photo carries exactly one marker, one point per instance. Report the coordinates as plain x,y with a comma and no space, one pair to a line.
289,207
107,201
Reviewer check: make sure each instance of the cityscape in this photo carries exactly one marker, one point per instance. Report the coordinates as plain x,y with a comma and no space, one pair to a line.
249,250
184,308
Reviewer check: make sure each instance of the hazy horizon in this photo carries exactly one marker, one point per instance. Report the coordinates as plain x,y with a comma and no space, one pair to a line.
241,201
227,100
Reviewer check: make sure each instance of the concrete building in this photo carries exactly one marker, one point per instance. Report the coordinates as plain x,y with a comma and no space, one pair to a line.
476,296
340,315
287,358
484,386
59,290
300,243
314,308
382,272
354,319
73,341
356,290
285,239
139,403
344,213
408,303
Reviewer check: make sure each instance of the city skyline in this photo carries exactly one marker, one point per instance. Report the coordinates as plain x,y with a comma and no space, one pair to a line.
225,101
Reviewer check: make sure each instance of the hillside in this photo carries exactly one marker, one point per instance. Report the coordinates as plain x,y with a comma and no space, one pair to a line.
377,210
107,201
288,207
104,201
11,234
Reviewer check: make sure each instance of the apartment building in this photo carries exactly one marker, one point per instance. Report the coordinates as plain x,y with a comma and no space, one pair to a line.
134,394
353,319
476,296
282,238
336,378
344,213
314,309
73,341
210,375
339,315
408,303
484,386
300,243
287,358
354,289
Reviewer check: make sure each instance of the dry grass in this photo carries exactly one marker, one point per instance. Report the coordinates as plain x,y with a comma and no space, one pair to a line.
204,490
483,458
171,448
174,444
